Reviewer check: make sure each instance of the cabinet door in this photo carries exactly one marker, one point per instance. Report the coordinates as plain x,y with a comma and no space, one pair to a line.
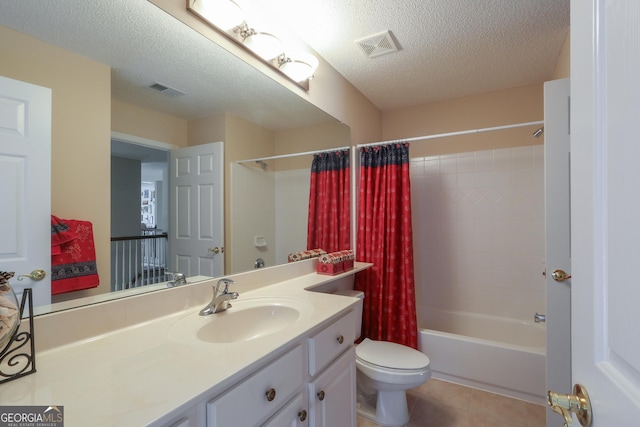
294,414
259,396
333,394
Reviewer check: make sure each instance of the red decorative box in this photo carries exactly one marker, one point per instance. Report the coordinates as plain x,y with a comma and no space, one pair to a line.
302,255
335,262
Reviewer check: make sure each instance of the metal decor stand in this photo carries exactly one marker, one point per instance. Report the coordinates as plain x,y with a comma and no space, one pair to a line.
18,358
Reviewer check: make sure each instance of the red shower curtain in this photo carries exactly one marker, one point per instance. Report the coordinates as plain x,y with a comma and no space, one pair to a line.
329,216
385,239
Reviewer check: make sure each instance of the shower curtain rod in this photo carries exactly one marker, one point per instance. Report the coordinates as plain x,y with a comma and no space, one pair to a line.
445,135
283,156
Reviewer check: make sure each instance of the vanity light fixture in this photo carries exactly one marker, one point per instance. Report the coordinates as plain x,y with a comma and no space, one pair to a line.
265,45
224,14
228,18
298,65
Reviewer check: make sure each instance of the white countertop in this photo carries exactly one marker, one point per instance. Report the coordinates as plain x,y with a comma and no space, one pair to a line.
134,375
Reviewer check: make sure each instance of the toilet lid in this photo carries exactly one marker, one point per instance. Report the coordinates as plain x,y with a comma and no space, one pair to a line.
391,355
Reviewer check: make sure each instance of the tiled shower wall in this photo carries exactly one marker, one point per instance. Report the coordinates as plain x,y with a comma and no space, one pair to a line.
478,229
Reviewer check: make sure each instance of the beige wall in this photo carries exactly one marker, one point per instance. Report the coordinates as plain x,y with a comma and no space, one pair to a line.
516,105
505,107
80,134
142,122
308,138
563,64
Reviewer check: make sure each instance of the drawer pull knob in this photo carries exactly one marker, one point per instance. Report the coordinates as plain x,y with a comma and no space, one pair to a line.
340,339
271,394
302,415
321,395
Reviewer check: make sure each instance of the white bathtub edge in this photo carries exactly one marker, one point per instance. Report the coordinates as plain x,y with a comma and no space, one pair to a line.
486,365
515,394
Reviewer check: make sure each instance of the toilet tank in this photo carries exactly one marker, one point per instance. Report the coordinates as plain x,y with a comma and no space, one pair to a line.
358,308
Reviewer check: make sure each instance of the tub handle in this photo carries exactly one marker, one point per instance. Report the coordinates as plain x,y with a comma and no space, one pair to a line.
539,318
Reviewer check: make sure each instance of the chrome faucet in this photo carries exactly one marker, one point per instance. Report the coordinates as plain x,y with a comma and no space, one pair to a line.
178,279
221,298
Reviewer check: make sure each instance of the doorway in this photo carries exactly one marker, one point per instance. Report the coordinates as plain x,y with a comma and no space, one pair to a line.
139,214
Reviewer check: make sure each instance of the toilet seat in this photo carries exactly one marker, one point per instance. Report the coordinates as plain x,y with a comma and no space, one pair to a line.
392,364
391,356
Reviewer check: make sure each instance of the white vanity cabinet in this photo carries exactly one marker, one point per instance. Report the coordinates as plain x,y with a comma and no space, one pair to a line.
294,414
333,395
310,383
253,400
332,390
189,418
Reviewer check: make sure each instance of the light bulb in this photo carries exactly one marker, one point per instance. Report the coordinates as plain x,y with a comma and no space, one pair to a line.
299,66
224,14
265,45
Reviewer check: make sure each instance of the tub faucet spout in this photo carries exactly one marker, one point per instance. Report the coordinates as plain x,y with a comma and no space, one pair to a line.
221,298
539,318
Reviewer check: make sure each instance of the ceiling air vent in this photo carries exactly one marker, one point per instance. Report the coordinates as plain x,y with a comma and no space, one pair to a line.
166,90
378,44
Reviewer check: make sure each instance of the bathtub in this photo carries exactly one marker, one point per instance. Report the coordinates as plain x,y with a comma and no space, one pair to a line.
491,353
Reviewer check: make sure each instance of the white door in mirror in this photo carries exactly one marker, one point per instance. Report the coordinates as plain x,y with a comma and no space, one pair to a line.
196,213
25,192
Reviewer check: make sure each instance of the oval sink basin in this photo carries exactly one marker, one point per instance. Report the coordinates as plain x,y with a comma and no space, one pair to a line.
245,320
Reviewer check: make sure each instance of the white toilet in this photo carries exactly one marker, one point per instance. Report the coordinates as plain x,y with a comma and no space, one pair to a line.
385,371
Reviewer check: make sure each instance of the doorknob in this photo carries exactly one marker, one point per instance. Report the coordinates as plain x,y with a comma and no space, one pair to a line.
34,275
560,275
578,403
216,250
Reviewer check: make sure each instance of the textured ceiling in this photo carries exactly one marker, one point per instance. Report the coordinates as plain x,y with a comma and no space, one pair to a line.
448,49
145,45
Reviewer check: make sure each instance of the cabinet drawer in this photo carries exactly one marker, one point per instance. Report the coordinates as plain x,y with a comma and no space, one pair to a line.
248,403
329,343
294,414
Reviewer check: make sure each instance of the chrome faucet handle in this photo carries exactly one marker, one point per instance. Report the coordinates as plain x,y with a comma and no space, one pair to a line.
226,283
220,300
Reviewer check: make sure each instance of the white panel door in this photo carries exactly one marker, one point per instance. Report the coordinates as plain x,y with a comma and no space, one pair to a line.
25,190
605,206
196,230
558,235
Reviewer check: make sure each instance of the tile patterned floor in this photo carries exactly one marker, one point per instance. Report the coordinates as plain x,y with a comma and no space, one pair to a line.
442,404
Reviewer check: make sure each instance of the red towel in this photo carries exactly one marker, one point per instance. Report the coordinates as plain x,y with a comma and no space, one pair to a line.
73,256
60,234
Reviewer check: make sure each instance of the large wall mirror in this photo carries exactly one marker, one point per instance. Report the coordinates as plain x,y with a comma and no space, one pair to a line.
100,59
